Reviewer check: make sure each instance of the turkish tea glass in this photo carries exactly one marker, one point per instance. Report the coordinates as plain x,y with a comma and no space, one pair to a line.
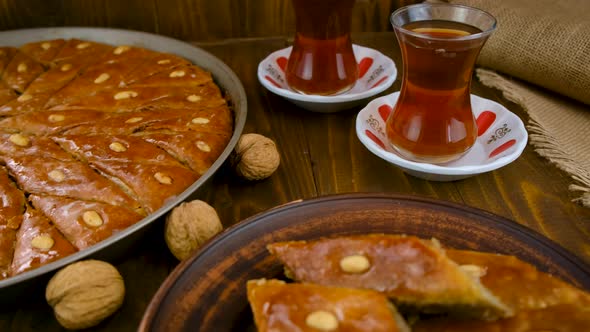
322,61
432,121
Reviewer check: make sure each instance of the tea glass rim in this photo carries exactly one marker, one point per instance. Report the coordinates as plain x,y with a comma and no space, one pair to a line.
483,34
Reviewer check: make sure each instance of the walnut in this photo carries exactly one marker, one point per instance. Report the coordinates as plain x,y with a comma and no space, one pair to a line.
84,293
189,225
255,157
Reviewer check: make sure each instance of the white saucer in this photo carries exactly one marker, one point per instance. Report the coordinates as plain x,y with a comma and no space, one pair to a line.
501,139
377,72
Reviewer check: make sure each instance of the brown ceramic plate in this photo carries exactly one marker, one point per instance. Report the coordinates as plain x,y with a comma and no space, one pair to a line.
207,292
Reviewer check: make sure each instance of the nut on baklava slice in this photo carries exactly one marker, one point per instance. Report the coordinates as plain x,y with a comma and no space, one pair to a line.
151,174
85,223
280,306
414,273
38,242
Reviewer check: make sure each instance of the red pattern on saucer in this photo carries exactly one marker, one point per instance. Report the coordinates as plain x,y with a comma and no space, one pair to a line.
502,148
502,138
374,138
364,66
282,62
384,111
484,121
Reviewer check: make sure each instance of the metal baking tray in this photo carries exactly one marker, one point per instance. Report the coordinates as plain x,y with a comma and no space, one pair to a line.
121,242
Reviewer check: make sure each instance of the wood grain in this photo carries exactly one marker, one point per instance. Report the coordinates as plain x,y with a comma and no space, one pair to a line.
320,155
183,19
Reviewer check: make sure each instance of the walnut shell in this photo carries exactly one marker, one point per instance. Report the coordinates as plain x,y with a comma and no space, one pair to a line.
189,225
84,293
256,157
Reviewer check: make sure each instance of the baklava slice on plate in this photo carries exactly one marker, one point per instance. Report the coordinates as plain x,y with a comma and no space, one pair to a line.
280,306
414,273
541,302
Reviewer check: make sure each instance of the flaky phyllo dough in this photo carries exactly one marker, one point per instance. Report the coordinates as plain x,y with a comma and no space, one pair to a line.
93,138
436,289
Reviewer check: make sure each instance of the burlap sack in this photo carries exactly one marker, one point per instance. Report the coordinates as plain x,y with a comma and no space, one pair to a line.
545,42
558,128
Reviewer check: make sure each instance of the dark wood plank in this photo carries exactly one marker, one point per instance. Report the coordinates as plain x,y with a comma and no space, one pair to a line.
184,19
320,156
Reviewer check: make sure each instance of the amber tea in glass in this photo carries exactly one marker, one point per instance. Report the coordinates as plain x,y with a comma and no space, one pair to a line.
322,61
432,120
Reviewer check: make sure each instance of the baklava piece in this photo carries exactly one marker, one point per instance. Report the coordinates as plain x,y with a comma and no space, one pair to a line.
85,223
197,150
38,242
154,64
43,123
12,201
6,55
107,73
215,120
24,103
541,301
7,240
414,273
125,99
559,318
185,76
516,283
12,206
6,94
23,145
21,71
278,306
150,173
76,50
48,176
43,51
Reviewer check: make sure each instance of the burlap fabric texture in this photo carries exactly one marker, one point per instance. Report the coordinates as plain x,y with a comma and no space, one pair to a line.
545,45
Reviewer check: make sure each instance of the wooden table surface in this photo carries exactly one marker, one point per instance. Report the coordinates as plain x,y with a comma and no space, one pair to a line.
321,155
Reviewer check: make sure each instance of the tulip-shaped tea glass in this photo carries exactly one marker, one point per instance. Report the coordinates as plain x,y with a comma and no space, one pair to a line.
322,61
432,121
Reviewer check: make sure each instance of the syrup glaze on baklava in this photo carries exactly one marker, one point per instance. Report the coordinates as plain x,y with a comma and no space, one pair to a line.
95,137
